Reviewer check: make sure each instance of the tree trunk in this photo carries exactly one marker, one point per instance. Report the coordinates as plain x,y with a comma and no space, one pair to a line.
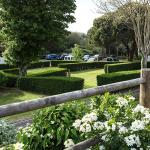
144,61
23,71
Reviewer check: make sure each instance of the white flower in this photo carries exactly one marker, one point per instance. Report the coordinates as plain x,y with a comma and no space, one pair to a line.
113,127
77,124
101,147
105,138
132,98
68,143
107,126
123,130
90,117
122,102
98,126
133,140
18,146
139,108
85,127
137,125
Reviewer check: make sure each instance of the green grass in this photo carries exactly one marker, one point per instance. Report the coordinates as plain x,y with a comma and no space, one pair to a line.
33,72
8,96
89,76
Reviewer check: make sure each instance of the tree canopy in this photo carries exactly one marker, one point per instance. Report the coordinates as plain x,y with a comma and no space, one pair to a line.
27,25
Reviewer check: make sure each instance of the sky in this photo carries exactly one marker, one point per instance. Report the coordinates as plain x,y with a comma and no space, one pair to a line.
84,14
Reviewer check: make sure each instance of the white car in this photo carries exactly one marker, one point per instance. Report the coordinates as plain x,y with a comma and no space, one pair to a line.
69,57
92,59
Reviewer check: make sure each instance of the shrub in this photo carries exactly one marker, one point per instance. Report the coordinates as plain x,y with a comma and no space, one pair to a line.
3,79
109,68
7,133
14,71
11,80
117,77
5,66
52,126
50,85
84,66
122,123
49,72
39,64
55,63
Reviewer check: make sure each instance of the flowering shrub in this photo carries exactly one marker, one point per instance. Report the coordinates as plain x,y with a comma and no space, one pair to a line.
52,127
7,133
122,122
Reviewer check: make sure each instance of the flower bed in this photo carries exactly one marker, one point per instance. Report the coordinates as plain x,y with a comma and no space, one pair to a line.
122,123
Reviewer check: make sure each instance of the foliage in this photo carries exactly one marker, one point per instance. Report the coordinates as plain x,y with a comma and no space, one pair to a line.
109,68
84,65
24,35
77,52
121,122
46,72
50,85
55,63
7,133
109,31
3,79
104,79
52,126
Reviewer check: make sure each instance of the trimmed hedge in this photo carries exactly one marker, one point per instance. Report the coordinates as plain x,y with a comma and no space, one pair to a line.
55,63
109,68
14,71
5,66
3,79
83,66
49,72
117,77
50,85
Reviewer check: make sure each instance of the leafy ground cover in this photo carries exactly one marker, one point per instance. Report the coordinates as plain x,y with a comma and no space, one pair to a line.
89,76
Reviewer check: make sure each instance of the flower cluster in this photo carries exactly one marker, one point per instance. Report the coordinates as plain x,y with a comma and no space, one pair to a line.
118,118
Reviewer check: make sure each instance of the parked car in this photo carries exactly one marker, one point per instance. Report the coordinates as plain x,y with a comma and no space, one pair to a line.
68,57
91,59
110,59
51,57
97,57
63,56
115,58
86,57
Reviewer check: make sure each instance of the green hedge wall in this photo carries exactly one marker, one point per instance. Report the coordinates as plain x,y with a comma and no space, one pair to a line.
109,68
49,72
14,71
55,63
84,66
50,85
117,77
5,66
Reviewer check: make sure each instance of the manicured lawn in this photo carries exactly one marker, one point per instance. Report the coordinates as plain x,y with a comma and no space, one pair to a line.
89,76
41,70
8,96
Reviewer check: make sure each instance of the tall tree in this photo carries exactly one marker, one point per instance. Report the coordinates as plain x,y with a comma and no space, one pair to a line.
138,11
28,24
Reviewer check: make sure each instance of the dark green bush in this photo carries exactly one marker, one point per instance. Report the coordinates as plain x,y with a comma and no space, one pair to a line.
109,68
50,85
50,72
117,77
53,126
3,79
55,63
11,80
5,66
84,66
39,64
14,71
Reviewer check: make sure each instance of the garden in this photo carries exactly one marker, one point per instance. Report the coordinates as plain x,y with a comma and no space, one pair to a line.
74,102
